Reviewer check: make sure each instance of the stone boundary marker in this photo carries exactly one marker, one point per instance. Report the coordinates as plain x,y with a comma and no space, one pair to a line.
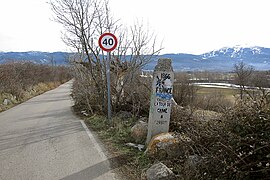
161,99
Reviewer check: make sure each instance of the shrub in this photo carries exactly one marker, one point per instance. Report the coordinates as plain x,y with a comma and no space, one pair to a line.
236,146
213,102
184,92
250,139
16,78
129,92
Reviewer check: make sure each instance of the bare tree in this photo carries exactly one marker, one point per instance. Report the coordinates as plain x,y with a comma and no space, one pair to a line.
84,21
184,91
243,74
261,93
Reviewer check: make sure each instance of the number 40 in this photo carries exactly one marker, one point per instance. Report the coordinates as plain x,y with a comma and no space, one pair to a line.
108,41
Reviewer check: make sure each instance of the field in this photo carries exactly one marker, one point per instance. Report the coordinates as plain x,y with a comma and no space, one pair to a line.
229,94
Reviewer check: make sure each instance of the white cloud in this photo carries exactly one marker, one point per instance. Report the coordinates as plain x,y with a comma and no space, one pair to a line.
192,26
197,26
27,24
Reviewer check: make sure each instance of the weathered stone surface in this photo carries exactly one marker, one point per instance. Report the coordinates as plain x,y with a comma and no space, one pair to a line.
161,99
139,132
167,145
159,171
6,102
164,64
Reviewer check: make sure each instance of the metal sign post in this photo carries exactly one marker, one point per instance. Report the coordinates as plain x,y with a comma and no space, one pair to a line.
108,42
109,85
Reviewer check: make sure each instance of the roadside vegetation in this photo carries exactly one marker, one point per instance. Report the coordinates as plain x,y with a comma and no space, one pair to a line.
20,81
228,130
127,161
230,134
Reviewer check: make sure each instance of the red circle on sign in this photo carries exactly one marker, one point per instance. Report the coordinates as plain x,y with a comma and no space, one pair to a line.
107,37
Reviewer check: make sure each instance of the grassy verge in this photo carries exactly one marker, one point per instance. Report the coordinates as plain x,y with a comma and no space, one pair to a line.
25,95
130,161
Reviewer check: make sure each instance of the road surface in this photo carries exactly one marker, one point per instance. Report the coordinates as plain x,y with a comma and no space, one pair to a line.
42,139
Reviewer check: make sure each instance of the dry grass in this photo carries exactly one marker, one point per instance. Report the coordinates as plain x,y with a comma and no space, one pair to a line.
24,80
128,162
228,94
206,115
34,91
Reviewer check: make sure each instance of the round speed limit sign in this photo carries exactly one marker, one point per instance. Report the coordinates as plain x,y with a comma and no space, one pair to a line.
107,42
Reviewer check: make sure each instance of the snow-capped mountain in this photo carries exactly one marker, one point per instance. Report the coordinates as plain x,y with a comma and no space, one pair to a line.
258,57
239,52
222,59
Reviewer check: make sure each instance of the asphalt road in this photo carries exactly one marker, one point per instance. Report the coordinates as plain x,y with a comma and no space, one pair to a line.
42,139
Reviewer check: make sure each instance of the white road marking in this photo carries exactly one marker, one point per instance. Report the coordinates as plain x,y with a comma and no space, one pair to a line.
91,137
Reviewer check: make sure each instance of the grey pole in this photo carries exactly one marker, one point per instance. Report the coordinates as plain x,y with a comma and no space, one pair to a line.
109,85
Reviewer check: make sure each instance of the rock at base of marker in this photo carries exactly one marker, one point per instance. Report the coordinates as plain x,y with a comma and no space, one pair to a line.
167,145
139,132
159,171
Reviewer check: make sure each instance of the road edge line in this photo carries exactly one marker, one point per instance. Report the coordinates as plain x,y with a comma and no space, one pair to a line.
91,137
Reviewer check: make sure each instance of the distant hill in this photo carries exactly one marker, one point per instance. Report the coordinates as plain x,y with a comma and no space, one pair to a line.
59,58
220,60
217,60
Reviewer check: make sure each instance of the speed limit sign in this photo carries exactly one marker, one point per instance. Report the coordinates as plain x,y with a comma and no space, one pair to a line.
107,42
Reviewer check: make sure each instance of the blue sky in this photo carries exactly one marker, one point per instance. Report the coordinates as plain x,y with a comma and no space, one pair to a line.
185,26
